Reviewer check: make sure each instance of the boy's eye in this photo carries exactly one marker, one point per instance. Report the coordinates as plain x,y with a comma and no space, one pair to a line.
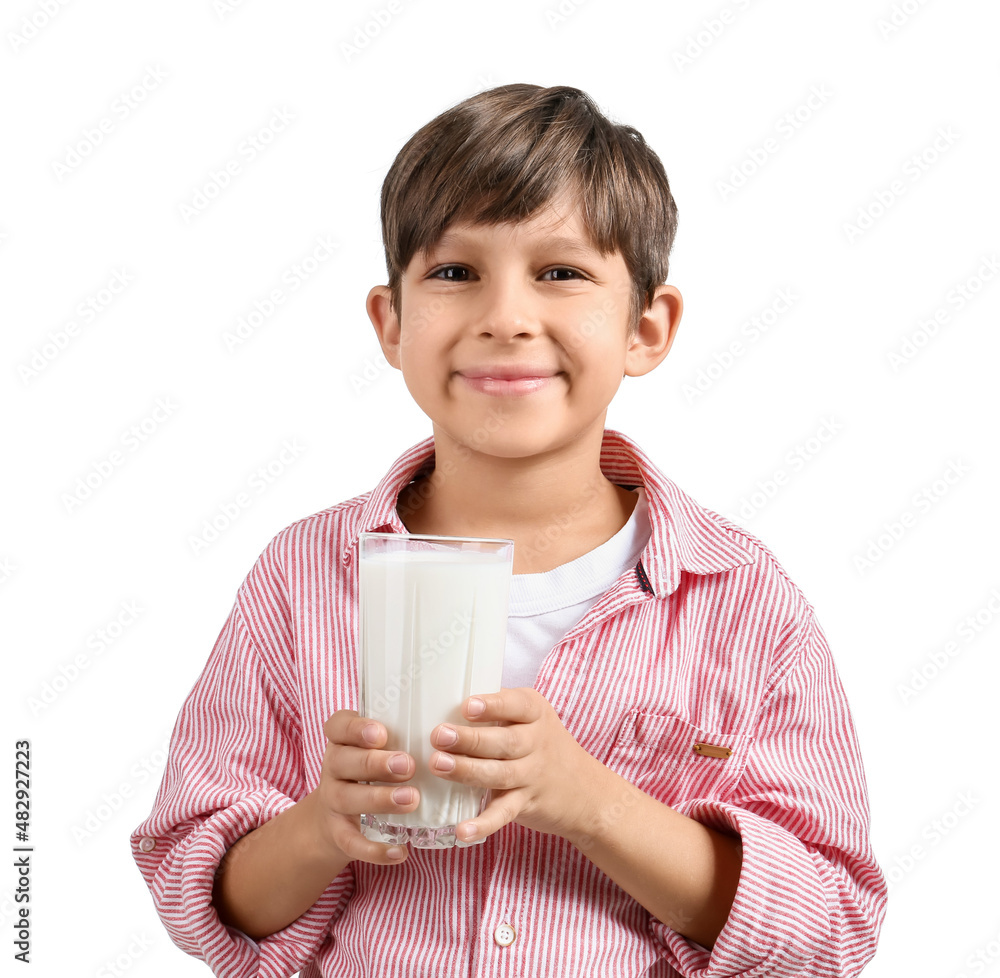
450,273
459,273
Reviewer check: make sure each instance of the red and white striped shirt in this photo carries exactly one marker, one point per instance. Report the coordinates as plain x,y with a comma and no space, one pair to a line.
705,641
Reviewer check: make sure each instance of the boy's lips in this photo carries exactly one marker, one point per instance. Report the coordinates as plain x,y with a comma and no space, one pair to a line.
507,371
507,380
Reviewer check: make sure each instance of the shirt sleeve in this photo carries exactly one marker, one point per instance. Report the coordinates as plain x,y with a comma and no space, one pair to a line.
234,762
811,897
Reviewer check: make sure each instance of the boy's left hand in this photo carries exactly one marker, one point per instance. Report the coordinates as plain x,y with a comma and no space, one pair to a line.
540,776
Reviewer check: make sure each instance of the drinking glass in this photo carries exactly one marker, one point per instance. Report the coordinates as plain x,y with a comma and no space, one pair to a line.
433,625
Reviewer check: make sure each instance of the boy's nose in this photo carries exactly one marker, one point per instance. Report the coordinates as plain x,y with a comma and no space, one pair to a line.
508,311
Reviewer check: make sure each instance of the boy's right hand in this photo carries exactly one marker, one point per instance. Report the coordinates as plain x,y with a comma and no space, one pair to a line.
353,754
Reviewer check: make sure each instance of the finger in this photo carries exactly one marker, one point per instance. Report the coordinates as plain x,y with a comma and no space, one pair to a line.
346,727
345,763
355,846
521,705
501,810
365,799
501,742
486,772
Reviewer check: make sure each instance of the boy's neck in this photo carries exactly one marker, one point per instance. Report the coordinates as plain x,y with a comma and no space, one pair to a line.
555,509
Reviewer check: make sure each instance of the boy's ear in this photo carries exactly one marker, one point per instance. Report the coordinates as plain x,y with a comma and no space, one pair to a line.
385,321
655,333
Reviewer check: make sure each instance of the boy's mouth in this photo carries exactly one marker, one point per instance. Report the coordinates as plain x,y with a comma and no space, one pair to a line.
507,380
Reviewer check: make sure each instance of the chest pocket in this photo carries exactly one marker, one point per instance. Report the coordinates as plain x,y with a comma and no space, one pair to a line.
673,760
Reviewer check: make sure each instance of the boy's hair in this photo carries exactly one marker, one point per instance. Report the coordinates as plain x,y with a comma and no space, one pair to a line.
503,153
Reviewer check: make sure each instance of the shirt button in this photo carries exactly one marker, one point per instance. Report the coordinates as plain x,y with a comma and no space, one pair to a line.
147,844
504,935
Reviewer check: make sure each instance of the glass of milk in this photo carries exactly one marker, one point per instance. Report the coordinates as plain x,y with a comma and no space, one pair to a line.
433,626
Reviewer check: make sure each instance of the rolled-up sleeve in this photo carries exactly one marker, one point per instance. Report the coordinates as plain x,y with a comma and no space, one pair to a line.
811,897
234,763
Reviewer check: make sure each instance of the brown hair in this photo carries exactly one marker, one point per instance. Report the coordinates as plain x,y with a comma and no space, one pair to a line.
503,153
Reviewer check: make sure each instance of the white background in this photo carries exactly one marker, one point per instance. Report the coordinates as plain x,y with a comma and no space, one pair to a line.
309,374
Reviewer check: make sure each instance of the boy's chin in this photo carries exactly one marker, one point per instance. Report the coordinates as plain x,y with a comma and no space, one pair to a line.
514,440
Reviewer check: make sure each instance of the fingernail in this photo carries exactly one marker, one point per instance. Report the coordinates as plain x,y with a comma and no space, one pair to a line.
395,852
475,707
402,796
370,733
399,764
444,762
447,736
468,832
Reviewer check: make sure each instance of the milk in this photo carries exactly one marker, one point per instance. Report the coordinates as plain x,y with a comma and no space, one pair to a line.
433,626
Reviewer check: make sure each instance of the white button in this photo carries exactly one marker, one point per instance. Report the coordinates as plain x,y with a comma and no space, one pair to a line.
504,935
147,845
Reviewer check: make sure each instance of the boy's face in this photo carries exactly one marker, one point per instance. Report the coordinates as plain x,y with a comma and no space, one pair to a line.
513,339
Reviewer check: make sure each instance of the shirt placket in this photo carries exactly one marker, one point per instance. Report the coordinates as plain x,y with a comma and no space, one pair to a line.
504,942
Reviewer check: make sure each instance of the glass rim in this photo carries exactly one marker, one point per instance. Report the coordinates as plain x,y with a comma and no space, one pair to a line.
433,537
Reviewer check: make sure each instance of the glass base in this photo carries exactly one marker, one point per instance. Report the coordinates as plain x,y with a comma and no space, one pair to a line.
378,828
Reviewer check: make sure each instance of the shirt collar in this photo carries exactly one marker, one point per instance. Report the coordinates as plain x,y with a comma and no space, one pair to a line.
685,536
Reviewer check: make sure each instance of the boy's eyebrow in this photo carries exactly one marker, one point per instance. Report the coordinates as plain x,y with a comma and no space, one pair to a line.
568,245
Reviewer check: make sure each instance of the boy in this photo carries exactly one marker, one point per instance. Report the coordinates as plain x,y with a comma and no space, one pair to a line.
677,788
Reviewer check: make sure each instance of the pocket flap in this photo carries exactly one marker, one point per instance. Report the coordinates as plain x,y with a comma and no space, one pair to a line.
674,760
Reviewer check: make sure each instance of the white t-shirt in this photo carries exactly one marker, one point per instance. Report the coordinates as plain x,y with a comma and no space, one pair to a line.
544,607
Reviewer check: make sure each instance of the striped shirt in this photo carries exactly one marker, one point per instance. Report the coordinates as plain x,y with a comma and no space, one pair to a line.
704,642
543,607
